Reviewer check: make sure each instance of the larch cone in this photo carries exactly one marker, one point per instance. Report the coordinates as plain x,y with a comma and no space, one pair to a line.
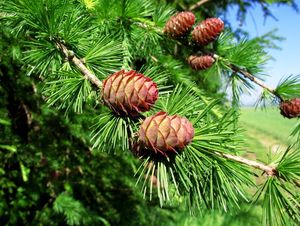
290,108
180,24
201,62
207,31
129,93
164,134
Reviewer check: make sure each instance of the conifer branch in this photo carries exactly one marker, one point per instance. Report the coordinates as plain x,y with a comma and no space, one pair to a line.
269,170
251,77
198,4
233,67
78,63
246,74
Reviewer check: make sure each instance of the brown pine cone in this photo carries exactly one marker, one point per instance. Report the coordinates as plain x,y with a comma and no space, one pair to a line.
207,31
129,93
290,108
180,24
201,62
162,133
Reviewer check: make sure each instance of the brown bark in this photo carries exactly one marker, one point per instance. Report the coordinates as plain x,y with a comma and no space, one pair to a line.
251,77
80,65
198,4
269,170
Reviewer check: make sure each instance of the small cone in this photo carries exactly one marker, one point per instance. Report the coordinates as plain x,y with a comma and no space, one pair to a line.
180,24
129,93
207,31
201,62
162,133
290,108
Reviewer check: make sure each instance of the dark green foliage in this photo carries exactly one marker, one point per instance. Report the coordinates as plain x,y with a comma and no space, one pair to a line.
111,133
57,159
71,96
74,211
48,175
103,56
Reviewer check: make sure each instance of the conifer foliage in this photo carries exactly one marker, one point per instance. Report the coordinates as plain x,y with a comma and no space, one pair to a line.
116,57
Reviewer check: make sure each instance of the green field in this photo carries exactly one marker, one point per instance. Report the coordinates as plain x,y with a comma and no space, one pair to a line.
265,130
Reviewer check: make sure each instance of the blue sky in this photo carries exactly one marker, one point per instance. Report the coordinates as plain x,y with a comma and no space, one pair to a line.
287,60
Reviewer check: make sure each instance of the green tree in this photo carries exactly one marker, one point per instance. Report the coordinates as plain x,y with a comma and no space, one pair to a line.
67,158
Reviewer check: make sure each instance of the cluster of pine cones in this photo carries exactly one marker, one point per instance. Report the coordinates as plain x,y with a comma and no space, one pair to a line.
207,31
204,33
129,94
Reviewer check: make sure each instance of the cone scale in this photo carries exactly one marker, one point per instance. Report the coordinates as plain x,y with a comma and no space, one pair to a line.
129,93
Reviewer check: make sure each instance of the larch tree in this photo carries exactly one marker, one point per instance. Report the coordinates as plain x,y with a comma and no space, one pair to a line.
136,84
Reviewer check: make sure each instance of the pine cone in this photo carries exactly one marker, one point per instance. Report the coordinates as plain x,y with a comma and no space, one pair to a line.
290,108
207,31
129,93
201,62
180,24
163,133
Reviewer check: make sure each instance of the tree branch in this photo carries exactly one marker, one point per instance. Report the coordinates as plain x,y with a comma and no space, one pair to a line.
77,62
251,77
269,170
198,4
246,74
234,68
